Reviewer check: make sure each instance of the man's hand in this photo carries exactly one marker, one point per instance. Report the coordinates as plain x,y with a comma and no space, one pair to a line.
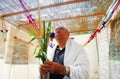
52,67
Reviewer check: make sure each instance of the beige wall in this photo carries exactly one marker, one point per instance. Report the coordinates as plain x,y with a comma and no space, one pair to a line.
17,71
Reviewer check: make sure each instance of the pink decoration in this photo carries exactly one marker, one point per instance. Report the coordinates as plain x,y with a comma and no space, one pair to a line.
29,17
116,6
31,21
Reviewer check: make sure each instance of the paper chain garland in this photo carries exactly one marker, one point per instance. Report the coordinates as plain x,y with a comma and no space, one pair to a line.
106,19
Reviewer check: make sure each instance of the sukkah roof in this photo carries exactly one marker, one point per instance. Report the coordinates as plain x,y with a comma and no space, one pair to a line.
76,15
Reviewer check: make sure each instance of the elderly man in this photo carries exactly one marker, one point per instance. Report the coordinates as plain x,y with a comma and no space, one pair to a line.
68,60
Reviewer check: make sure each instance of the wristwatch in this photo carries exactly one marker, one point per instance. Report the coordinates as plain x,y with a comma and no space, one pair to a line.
67,71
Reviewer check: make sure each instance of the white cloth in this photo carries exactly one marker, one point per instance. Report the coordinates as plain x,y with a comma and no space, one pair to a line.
75,57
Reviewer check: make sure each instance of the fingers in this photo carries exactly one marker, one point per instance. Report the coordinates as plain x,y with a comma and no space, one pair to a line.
45,68
48,63
51,67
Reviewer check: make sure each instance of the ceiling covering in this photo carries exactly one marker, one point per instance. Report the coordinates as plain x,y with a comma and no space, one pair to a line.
76,15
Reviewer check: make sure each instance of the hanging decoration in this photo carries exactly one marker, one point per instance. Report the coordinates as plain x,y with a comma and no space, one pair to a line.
106,19
31,21
52,36
29,17
43,40
4,30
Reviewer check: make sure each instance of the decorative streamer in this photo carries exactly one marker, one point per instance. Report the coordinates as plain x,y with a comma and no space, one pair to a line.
29,17
31,21
106,19
116,6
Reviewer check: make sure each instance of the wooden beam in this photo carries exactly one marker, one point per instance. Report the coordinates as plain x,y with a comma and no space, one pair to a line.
78,31
69,18
45,7
76,17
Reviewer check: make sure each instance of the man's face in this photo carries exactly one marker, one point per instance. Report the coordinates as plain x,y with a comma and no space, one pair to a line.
61,34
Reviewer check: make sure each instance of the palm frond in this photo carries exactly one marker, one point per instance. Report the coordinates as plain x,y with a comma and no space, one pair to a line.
43,42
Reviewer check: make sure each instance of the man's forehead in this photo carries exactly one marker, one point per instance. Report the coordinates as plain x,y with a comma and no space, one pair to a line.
59,27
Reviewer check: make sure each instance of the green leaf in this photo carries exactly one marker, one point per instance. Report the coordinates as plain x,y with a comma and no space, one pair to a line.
35,50
39,54
32,33
43,42
47,36
44,30
32,39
